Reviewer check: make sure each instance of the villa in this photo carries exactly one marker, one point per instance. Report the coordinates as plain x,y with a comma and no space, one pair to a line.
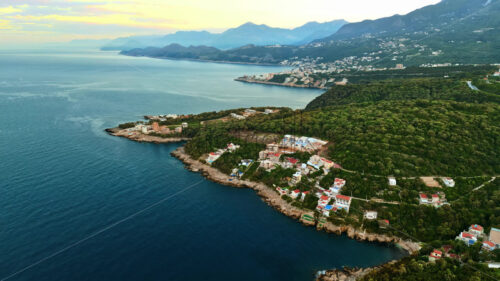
295,194
435,255
449,182
392,181
232,147
343,202
282,191
476,230
488,245
213,156
468,238
327,209
437,200
303,195
268,165
370,215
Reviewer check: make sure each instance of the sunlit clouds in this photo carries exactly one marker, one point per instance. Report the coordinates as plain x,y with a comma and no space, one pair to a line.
58,20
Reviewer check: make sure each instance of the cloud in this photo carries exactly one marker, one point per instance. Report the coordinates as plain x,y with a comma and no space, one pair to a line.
5,24
9,10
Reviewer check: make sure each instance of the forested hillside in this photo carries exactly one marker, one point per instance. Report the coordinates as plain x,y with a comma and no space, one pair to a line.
402,89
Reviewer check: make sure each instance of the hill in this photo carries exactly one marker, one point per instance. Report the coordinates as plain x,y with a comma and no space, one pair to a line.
452,31
248,33
402,89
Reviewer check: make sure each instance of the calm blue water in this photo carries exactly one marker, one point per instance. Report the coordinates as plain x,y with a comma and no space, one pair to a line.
62,178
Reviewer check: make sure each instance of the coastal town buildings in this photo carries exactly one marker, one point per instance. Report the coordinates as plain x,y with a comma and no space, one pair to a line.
472,235
467,238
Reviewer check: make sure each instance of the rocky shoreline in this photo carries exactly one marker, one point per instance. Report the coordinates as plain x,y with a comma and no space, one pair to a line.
273,199
251,81
347,273
143,138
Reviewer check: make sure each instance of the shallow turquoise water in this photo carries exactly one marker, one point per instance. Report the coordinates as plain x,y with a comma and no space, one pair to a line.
62,178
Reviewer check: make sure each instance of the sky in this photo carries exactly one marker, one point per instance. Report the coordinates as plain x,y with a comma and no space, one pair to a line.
38,21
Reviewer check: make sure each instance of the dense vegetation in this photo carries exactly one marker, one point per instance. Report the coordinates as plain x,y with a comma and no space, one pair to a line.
402,89
453,72
417,137
417,268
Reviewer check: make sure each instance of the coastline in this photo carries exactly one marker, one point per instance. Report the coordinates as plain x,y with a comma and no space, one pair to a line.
274,200
202,60
271,198
250,81
143,138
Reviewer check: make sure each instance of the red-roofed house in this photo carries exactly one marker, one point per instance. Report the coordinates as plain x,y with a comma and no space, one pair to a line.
327,163
476,229
339,183
342,202
303,195
323,200
295,194
468,238
435,255
423,198
488,245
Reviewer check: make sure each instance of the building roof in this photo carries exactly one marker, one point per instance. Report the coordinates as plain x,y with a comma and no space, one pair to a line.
292,160
495,235
435,196
476,227
466,235
436,253
489,243
423,195
324,197
296,191
326,160
343,197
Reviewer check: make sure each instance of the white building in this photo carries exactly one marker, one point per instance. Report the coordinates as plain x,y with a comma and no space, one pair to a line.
370,215
449,182
392,181
295,194
343,202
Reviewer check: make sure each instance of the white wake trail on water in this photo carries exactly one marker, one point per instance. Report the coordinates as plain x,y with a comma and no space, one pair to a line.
102,230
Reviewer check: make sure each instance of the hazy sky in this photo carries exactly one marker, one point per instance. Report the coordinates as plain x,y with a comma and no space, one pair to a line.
24,21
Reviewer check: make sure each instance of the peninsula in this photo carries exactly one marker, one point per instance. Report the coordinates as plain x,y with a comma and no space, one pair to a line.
416,164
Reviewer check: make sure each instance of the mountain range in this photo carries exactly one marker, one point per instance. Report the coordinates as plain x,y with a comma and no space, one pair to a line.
451,31
248,33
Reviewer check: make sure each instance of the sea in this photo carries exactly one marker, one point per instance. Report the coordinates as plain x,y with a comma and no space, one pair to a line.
78,204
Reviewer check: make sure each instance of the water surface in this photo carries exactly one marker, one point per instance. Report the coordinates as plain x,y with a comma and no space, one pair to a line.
62,178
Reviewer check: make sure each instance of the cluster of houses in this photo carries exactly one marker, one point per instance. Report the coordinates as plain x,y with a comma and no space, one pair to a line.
213,156
164,117
250,112
296,143
156,128
445,251
437,199
476,232
331,199
470,237
270,158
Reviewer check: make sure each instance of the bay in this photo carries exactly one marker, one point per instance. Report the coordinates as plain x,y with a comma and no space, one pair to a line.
62,178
